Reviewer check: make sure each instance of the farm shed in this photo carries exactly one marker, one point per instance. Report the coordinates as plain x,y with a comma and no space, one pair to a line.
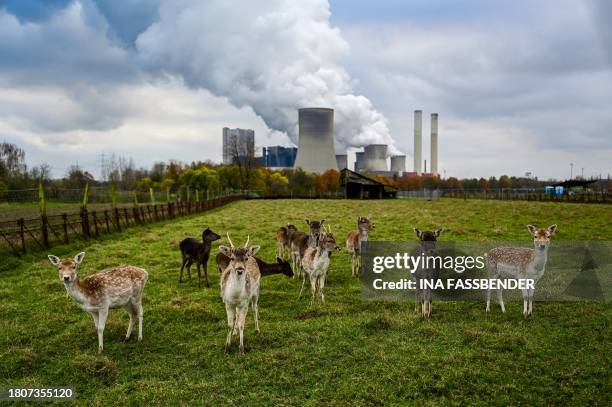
358,186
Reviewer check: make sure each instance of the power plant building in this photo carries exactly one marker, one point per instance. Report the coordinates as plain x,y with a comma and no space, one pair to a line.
237,143
434,143
341,161
375,157
398,164
316,143
359,161
279,157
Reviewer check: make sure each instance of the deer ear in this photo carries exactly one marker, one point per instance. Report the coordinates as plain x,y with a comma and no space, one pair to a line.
439,232
307,222
532,229
225,250
322,222
54,260
417,232
253,250
552,229
79,258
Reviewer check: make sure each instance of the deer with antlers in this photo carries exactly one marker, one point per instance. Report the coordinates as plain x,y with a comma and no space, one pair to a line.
354,240
316,264
239,287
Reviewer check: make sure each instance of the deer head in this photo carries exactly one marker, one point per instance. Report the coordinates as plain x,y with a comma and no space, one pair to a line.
541,236
327,241
285,267
428,239
315,227
364,223
238,255
209,235
67,267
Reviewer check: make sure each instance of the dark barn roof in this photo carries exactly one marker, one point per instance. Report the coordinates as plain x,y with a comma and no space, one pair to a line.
358,186
572,183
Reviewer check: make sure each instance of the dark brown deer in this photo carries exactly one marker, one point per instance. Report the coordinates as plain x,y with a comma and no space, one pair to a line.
266,269
198,252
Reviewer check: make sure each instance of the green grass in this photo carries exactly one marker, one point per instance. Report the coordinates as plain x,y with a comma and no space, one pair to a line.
354,352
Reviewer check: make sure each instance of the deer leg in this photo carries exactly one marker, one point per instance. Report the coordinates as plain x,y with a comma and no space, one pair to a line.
205,266
229,310
303,283
500,298
313,289
488,309
140,312
255,307
131,312
242,312
322,287
94,315
530,305
102,315
189,263
182,267
199,275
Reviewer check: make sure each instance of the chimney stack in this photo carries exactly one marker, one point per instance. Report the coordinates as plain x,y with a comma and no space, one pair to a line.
434,143
418,116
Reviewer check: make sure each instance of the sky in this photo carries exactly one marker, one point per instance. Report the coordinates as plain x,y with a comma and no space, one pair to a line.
519,86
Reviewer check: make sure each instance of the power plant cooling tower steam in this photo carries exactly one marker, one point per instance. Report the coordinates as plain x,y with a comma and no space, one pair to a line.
359,159
434,143
398,163
375,157
316,140
418,127
342,161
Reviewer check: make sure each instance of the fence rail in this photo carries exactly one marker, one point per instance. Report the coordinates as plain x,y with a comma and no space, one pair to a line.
528,195
22,235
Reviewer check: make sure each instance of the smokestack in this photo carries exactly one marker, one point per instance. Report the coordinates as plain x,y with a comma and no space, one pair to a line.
375,157
418,116
342,161
398,163
434,143
316,143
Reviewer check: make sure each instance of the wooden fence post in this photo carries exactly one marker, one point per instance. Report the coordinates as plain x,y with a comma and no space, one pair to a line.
45,230
117,219
65,226
22,234
85,222
95,221
106,221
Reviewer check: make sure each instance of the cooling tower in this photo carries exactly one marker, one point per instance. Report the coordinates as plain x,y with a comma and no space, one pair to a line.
398,163
375,157
316,143
341,161
359,159
434,143
418,115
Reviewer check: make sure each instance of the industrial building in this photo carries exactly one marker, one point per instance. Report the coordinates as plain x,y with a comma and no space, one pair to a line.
398,164
279,156
418,144
341,161
316,143
237,143
358,186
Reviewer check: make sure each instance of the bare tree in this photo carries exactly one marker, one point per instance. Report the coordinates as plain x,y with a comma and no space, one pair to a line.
243,156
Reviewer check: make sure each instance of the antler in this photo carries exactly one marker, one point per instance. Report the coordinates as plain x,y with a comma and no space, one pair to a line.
247,242
230,240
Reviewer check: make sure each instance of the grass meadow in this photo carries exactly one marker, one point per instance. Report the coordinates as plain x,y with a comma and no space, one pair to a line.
354,351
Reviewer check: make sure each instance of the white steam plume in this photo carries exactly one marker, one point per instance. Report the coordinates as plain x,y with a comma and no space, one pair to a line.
272,55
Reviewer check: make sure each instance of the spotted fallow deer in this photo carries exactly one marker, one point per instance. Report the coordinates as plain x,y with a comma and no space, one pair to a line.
115,287
239,287
354,240
316,264
427,246
300,241
520,263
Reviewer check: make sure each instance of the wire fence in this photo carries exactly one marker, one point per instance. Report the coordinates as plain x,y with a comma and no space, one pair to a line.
529,195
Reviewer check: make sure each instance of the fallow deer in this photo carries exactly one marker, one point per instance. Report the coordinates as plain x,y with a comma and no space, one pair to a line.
239,287
282,242
316,264
115,287
427,247
520,263
300,241
192,250
354,240
265,269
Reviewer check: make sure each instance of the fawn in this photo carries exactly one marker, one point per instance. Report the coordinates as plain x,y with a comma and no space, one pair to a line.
427,247
354,241
192,250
